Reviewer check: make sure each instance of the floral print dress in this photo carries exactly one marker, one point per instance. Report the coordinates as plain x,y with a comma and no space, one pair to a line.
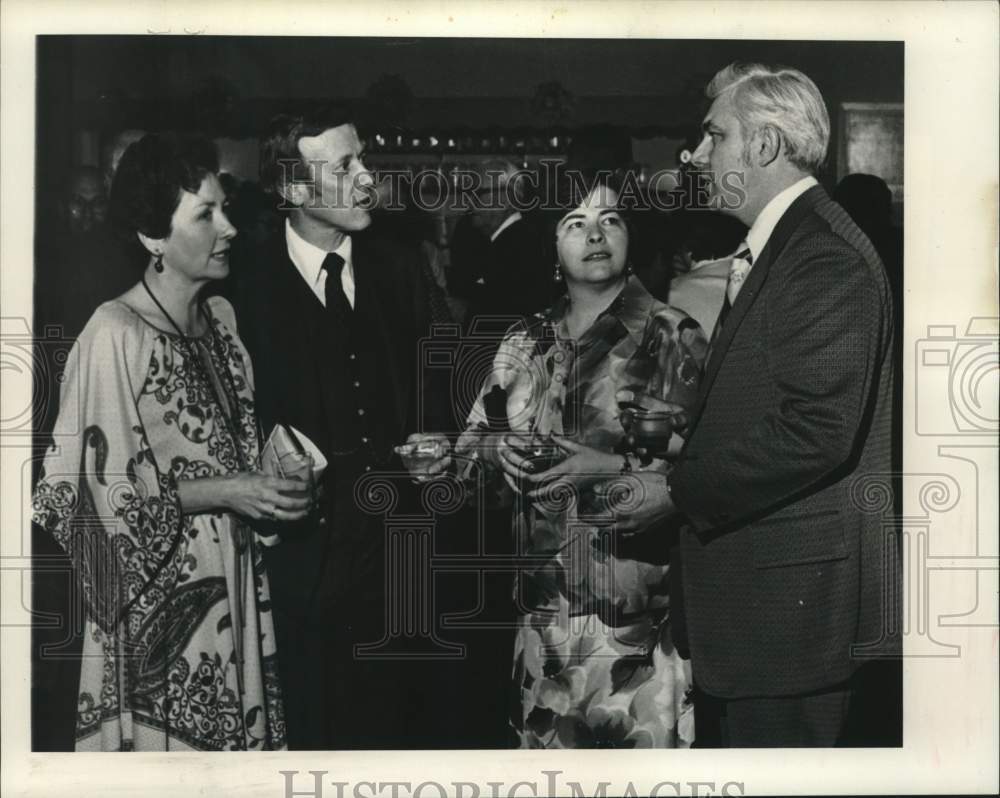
593,661
179,642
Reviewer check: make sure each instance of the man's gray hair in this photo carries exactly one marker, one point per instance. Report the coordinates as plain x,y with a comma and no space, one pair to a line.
782,98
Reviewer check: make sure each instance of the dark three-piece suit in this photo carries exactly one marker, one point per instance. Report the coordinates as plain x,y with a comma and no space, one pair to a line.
348,380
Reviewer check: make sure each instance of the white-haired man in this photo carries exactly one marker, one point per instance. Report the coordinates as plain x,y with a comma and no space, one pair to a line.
784,565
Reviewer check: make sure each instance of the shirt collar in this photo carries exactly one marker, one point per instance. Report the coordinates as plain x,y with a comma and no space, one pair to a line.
514,217
768,218
631,307
308,258
707,264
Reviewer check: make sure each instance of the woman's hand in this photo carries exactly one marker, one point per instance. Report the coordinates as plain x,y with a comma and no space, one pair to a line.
584,467
650,404
262,497
503,450
425,455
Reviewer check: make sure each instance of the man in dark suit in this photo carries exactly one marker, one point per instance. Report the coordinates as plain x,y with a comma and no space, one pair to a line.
331,315
784,567
501,262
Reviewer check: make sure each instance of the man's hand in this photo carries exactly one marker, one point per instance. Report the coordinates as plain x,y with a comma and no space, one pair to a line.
425,455
638,500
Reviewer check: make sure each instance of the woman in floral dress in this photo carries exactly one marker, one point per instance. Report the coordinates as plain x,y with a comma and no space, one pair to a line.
593,662
152,483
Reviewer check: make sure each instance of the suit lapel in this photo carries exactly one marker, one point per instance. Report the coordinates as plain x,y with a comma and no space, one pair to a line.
752,288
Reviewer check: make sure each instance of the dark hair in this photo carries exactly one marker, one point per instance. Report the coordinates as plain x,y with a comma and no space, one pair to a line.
150,177
279,147
569,190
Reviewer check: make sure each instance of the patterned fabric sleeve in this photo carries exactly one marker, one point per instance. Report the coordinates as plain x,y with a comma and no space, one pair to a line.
101,492
252,436
508,399
668,364
677,346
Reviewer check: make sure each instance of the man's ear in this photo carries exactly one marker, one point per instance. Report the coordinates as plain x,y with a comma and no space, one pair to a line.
767,145
155,246
296,194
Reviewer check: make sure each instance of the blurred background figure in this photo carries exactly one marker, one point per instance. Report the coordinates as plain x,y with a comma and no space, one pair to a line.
700,264
498,260
82,262
87,203
250,209
427,232
868,201
112,151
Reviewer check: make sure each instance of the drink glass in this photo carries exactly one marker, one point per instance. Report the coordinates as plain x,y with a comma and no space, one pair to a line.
647,430
652,430
417,457
299,467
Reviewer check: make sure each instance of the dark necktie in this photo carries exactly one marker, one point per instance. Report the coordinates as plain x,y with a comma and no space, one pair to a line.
336,300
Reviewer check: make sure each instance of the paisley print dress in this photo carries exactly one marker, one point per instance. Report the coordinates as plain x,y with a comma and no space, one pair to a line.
593,661
179,642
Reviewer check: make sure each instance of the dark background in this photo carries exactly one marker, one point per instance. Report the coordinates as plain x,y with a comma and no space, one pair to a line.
91,86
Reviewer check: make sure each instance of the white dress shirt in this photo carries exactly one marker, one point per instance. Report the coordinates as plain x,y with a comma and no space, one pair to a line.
514,217
768,218
308,259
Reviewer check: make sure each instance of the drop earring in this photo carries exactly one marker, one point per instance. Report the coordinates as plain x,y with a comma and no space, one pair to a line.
557,275
158,264
629,271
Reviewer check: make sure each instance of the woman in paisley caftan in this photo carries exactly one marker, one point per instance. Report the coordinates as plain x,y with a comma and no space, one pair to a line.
594,665
152,484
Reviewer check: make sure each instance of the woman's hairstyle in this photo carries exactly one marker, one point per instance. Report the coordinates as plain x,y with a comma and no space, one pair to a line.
280,157
781,98
147,185
568,191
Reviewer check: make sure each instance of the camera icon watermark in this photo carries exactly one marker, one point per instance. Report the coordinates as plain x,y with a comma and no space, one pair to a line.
43,358
455,368
957,380
950,547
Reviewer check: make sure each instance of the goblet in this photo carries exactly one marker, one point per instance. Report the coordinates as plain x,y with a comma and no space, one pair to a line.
650,430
